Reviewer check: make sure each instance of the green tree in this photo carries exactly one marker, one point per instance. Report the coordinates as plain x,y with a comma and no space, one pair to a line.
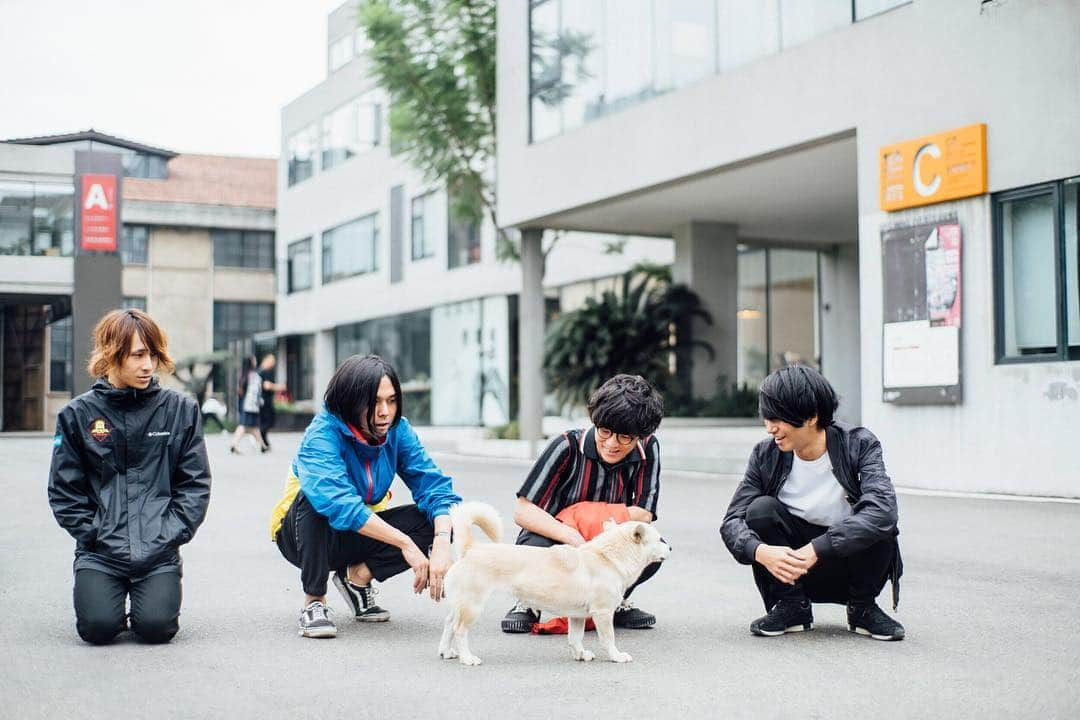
633,330
436,61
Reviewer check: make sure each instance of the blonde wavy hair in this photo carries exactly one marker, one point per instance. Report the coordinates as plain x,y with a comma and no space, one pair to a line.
112,341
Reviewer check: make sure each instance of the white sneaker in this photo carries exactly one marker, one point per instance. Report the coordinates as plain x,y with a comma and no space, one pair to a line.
315,621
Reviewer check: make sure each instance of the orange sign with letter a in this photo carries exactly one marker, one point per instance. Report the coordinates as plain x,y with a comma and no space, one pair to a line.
935,168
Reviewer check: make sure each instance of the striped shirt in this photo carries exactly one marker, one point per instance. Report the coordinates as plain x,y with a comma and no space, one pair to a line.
570,471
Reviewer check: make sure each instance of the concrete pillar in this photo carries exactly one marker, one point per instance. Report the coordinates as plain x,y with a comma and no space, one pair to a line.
325,364
706,259
531,339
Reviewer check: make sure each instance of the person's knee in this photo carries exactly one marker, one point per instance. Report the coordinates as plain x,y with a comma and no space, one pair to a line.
762,511
156,628
99,629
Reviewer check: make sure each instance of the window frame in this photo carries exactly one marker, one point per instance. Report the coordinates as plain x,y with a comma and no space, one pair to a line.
289,287
248,251
426,201
376,231
1063,352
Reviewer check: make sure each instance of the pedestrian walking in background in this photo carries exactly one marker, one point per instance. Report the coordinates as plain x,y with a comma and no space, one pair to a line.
130,482
267,413
249,402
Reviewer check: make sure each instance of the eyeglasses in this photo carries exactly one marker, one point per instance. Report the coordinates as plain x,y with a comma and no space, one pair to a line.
624,440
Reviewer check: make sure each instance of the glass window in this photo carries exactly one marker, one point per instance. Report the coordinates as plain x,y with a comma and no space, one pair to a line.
746,32
300,266
134,240
145,165
423,226
240,320
301,150
685,42
300,364
1072,263
793,320
351,249
60,356
462,240
133,302
581,68
341,52
354,128
36,219
866,8
753,319
801,20
243,248
1028,262
628,66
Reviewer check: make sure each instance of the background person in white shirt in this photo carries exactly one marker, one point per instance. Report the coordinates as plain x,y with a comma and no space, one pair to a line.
816,514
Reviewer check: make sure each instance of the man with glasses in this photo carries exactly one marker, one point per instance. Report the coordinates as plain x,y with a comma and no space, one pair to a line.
613,466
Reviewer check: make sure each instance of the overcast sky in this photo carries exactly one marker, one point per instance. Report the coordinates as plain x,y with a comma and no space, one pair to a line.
205,76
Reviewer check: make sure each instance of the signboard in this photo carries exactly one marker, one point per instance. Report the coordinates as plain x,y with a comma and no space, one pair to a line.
922,313
935,168
97,213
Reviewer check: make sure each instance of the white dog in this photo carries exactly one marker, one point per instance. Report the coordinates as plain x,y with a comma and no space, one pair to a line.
578,582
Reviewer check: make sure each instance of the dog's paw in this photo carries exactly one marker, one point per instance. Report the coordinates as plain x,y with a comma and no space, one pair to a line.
620,657
582,655
448,654
470,660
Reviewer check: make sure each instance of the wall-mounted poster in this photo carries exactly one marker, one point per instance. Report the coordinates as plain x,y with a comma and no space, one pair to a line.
920,358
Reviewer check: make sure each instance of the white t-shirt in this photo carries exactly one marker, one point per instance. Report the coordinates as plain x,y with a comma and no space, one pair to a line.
813,493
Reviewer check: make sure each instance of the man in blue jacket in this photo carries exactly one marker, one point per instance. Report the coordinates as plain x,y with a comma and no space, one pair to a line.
335,514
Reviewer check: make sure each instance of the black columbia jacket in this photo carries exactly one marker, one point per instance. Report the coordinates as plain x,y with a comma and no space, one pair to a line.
855,454
129,477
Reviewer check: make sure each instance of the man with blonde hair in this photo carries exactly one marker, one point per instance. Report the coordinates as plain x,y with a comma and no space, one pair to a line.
130,482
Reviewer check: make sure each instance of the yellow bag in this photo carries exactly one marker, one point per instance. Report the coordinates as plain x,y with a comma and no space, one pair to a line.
292,487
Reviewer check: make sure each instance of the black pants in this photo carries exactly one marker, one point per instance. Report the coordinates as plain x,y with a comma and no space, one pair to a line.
266,421
526,537
308,542
857,578
99,606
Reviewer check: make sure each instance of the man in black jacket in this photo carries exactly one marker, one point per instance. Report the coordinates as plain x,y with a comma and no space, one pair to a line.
130,481
816,513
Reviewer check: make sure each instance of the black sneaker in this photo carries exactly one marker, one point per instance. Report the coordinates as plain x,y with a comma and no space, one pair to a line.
360,598
520,619
315,621
872,620
786,616
628,616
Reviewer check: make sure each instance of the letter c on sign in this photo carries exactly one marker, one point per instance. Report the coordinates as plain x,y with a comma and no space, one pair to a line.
916,177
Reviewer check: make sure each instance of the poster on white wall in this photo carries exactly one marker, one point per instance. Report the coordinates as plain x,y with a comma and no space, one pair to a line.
920,353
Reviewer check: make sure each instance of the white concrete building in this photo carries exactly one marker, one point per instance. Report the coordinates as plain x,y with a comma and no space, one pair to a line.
369,260
737,128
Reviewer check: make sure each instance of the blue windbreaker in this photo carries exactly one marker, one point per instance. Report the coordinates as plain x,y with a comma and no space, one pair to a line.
341,475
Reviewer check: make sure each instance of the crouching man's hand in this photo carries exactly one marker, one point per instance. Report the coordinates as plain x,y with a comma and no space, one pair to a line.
785,564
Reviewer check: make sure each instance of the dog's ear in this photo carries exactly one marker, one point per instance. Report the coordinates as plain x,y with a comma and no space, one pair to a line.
639,533
608,524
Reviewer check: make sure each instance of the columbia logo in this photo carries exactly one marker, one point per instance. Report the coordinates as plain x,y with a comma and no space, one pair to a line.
163,433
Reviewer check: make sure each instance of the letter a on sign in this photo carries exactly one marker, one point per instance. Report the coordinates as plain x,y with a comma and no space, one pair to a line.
98,213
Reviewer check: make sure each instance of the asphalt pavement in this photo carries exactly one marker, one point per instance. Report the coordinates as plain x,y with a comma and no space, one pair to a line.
988,600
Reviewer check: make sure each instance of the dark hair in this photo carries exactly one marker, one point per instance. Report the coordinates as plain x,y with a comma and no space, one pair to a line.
796,393
627,404
354,387
112,341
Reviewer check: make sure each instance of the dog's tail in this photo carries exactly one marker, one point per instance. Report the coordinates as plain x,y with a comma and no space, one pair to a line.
467,514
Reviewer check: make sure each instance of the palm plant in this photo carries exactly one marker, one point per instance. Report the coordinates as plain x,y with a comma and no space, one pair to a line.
641,329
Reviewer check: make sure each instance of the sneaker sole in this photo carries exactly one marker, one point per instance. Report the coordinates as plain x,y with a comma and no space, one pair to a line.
636,626
318,632
864,631
373,618
775,633
516,626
